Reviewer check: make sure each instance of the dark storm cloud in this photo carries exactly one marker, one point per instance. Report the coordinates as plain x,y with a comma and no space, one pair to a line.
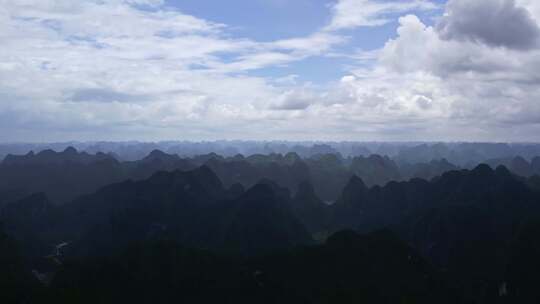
499,23
294,100
292,105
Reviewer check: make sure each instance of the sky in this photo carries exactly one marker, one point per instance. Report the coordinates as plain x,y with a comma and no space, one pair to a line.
356,70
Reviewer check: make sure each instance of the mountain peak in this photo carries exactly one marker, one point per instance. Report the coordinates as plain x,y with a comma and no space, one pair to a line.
482,169
156,153
160,155
353,191
356,182
502,171
70,151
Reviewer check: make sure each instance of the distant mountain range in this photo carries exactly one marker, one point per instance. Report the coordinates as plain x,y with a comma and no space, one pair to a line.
282,227
66,175
465,154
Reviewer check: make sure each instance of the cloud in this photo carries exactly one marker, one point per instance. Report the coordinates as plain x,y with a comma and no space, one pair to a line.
451,85
299,98
499,23
119,69
424,102
348,14
104,67
314,44
532,6
104,95
136,68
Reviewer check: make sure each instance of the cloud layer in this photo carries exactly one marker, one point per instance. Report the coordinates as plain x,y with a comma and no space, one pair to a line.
499,23
141,69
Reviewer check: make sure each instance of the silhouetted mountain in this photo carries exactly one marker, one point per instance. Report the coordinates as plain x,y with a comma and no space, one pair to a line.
28,209
312,211
460,154
328,174
49,157
534,182
259,222
16,282
398,199
520,284
174,204
62,175
26,218
191,207
424,153
347,212
288,171
461,221
426,170
517,165
466,224
349,268
153,162
535,164
248,218
375,169
66,175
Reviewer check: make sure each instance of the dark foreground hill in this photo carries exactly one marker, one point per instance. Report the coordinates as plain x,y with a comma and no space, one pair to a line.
464,222
348,268
466,235
190,207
